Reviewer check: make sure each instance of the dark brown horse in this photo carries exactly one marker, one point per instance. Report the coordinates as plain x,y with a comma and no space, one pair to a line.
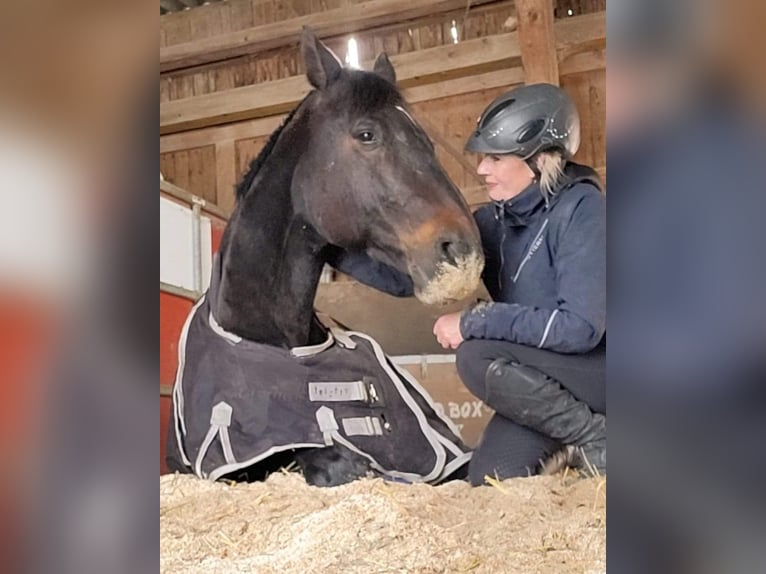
351,169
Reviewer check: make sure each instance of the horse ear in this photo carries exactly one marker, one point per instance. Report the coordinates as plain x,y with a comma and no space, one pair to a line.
322,66
384,68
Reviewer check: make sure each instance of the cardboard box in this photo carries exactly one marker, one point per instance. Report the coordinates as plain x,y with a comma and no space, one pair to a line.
438,375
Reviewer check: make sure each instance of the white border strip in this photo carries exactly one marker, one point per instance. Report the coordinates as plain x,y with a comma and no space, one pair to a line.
418,359
309,350
178,395
424,393
220,331
547,328
426,428
227,468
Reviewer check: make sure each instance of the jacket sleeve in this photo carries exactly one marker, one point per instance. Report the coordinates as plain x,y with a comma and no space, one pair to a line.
371,272
578,322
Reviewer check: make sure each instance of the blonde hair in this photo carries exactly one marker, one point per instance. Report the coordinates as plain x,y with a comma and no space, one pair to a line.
550,165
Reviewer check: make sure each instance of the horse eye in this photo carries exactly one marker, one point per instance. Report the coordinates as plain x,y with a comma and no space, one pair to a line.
365,136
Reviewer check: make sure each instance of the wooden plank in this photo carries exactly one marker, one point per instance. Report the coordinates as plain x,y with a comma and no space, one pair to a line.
413,69
580,34
537,41
279,96
205,136
435,134
601,171
190,199
475,195
226,174
354,18
264,126
583,62
465,85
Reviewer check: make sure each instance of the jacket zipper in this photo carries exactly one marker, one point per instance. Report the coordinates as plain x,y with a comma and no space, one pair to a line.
532,249
501,218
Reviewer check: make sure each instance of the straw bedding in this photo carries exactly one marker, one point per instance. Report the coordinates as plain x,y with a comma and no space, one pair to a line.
529,525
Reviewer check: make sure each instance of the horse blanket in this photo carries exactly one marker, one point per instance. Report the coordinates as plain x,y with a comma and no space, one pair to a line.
237,402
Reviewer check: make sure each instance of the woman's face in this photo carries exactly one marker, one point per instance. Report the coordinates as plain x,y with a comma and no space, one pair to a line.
506,176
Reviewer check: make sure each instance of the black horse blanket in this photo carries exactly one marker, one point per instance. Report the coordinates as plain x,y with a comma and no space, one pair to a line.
236,403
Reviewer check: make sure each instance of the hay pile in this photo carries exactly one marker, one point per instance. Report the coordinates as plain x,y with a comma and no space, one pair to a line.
538,524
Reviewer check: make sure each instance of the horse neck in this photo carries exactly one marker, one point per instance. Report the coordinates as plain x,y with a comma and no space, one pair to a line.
271,259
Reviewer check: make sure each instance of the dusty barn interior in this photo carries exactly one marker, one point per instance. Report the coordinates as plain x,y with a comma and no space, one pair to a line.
230,72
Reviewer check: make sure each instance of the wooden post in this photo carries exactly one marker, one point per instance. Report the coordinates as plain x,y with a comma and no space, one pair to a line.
226,174
537,41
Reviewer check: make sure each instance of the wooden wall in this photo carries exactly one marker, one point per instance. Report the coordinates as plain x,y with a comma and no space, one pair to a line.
286,62
209,160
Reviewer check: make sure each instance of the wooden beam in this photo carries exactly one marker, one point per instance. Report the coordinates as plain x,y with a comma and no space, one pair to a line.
230,132
190,199
583,62
475,195
580,34
280,96
435,134
355,18
413,69
538,41
508,77
226,174
264,126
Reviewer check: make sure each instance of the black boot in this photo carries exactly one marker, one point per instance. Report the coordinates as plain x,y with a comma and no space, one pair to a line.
533,399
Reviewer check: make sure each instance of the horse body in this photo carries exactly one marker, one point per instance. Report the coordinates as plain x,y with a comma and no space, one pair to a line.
349,168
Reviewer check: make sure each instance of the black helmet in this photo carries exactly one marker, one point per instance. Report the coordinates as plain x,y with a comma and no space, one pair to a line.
526,120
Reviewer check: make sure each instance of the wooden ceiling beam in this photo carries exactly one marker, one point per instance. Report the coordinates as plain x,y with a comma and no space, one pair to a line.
491,53
578,64
279,96
355,18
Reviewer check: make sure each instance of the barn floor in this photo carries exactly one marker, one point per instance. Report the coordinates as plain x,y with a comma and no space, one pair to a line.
539,524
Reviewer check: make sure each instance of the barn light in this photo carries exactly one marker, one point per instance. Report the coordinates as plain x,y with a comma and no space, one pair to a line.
570,12
352,55
453,31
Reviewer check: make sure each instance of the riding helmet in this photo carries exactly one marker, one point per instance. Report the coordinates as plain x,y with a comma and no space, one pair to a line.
527,120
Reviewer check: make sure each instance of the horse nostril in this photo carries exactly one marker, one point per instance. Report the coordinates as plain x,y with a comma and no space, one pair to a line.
453,250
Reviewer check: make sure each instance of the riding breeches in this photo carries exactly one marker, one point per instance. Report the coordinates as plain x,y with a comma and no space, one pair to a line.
508,448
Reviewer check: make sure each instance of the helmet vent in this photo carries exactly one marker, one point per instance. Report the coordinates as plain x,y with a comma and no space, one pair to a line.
531,130
491,115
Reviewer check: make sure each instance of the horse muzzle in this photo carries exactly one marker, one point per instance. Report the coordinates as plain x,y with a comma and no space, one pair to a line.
447,270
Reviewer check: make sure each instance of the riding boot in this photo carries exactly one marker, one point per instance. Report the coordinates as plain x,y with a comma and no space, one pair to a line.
533,399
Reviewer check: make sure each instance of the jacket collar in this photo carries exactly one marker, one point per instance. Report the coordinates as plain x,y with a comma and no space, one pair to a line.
518,210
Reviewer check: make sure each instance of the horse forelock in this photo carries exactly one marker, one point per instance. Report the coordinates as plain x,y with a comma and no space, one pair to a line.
370,92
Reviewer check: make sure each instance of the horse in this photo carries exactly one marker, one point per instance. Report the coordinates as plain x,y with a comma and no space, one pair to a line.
349,168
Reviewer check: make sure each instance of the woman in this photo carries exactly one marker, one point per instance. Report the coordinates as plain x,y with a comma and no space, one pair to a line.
536,353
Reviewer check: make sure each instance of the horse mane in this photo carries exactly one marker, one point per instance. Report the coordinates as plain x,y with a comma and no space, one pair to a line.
258,162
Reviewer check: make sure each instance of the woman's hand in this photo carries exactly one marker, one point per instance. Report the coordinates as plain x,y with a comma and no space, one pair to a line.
447,331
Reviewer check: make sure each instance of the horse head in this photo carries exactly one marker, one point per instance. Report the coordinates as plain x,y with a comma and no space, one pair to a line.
369,179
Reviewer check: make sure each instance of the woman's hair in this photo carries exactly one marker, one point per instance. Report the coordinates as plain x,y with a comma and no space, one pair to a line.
549,165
